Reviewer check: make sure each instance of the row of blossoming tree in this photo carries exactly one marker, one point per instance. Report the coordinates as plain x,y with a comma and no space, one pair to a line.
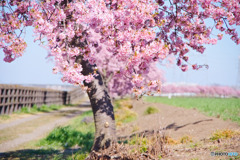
112,46
199,90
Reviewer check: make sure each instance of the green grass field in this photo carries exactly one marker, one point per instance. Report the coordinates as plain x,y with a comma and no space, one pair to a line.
75,133
43,108
226,108
32,110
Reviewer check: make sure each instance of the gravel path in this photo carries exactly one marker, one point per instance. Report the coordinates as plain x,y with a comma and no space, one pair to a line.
41,130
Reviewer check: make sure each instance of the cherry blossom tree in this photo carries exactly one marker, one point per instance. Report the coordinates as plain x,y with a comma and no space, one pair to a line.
107,46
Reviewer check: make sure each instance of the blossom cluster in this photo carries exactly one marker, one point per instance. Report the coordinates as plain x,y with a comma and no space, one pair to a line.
124,39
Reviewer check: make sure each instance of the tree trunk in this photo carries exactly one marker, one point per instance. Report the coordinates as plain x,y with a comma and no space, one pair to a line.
105,130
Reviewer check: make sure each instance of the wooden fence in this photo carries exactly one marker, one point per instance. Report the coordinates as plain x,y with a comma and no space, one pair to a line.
14,97
73,96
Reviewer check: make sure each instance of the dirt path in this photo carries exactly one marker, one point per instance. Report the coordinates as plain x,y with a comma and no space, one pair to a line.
175,122
178,123
25,118
35,126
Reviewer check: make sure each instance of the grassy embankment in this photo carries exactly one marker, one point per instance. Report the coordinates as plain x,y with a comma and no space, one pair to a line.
224,108
31,110
62,141
43,108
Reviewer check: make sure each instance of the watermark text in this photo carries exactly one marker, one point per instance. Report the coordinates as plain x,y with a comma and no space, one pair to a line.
224,154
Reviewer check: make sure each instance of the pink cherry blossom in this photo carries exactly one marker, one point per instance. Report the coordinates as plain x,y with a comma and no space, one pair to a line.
124,39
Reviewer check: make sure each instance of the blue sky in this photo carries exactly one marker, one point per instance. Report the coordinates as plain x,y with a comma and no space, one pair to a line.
34,68
223,60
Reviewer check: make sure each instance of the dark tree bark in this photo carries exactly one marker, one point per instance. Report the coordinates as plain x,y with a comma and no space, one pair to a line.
105,130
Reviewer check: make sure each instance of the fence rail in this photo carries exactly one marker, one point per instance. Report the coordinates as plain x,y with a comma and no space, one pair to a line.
14,97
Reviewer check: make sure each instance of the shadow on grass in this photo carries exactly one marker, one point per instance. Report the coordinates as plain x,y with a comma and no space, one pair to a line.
39,154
